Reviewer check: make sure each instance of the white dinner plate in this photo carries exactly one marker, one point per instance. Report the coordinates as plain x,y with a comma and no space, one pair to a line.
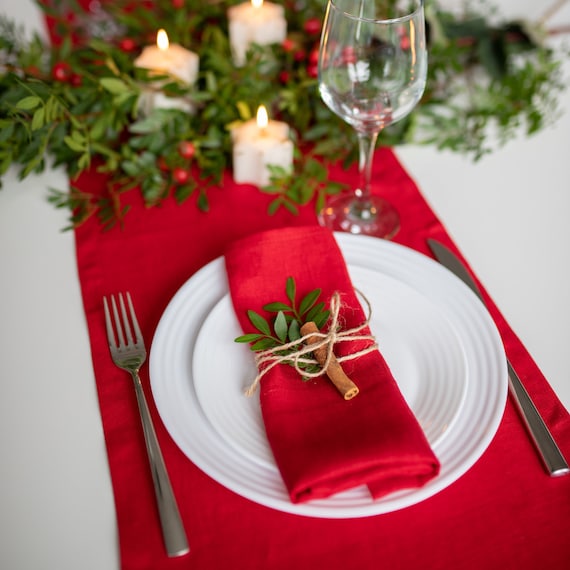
440,342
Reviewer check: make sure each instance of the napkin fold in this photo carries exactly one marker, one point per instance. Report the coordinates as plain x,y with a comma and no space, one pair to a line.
323,444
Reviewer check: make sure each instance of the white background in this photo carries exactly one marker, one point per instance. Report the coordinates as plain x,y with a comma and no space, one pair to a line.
509,214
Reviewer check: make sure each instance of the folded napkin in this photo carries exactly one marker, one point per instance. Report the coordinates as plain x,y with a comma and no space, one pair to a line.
324,444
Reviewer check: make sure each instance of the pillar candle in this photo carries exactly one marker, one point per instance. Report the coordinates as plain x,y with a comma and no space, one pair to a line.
257,22
258,143
167,59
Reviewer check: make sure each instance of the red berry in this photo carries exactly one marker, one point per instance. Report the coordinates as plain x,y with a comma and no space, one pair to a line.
284,76
180,175
313,70
288,45
312,26
300,55
314,56
186,149
75,80
127,45
162,164
178,3
61,71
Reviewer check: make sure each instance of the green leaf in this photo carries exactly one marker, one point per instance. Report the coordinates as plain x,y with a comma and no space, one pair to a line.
259,322
290,290
73,144
315,310
28,103
280,326
84,161
294,332
38,119
114,85
321,319
202,202
251,337
264,344
243,110
309,300
276,307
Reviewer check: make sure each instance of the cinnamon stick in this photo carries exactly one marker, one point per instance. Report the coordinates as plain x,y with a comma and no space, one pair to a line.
334,371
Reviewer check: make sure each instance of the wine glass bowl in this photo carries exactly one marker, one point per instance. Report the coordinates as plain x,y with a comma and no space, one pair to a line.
372,73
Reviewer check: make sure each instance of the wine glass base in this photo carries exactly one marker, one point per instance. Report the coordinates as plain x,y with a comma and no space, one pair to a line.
348,214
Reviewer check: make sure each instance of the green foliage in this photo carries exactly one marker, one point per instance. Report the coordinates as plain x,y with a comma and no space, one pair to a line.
285,327
486,83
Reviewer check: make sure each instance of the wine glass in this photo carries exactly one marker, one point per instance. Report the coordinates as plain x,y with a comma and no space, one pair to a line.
372,72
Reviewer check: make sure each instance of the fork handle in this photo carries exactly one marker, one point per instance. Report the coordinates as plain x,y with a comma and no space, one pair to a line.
172,528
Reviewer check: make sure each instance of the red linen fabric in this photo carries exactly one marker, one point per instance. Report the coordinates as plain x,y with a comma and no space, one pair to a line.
504,513
323,444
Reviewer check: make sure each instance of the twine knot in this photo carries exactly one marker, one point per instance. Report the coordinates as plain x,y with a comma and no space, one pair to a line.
271,357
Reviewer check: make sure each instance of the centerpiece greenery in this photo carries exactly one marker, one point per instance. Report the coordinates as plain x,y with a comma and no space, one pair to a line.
76,102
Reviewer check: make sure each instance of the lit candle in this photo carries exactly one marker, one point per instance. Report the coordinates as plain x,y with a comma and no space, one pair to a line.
257,22
258,143
169,59
165,58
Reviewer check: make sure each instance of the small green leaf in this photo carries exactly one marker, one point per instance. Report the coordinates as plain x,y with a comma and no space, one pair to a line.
259,322
290,289
294,331
276,307
321,319
203,203
315,310
38,119
28,103
309,300
84,161
114,85
243,110
264,344
73,145
280,326
251,337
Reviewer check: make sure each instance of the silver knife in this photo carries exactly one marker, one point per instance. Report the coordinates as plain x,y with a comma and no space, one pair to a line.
551,455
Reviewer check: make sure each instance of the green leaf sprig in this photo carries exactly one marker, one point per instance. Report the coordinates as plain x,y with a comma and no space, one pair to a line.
285,327
78,104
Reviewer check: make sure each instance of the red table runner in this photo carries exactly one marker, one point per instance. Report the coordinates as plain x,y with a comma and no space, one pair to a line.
505,512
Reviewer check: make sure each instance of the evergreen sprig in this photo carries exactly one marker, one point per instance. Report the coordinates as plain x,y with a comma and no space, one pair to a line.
285,327
78,103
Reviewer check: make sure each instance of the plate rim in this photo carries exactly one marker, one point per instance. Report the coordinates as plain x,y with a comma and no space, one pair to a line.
321,508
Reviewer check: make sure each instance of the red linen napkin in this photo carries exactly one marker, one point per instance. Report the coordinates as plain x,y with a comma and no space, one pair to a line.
322,443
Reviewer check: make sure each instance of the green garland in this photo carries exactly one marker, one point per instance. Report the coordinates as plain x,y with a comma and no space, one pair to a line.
79,104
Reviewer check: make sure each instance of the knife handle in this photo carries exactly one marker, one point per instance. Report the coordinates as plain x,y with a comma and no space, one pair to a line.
551,455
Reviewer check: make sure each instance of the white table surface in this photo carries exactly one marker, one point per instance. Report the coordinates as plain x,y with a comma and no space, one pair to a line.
509,214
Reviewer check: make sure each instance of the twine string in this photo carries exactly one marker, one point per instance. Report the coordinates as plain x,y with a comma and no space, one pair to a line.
267,359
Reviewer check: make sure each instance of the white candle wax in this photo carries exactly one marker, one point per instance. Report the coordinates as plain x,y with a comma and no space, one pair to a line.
167,59
170,59
255,147
262,24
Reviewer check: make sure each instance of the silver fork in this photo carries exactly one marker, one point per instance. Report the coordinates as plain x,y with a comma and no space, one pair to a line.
130,356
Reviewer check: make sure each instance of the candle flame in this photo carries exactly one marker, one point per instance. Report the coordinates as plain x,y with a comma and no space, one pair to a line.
162,40
262,118
257,3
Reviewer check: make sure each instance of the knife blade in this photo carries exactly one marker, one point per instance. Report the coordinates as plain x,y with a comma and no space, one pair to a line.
549,451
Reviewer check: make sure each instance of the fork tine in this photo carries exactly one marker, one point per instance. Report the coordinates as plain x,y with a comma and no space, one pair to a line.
119,328
126,324
138,333
108,324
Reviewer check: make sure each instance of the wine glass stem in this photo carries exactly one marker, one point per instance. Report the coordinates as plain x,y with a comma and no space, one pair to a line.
366,147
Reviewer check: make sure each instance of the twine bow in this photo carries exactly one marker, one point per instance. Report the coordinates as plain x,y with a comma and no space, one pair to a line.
271,357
